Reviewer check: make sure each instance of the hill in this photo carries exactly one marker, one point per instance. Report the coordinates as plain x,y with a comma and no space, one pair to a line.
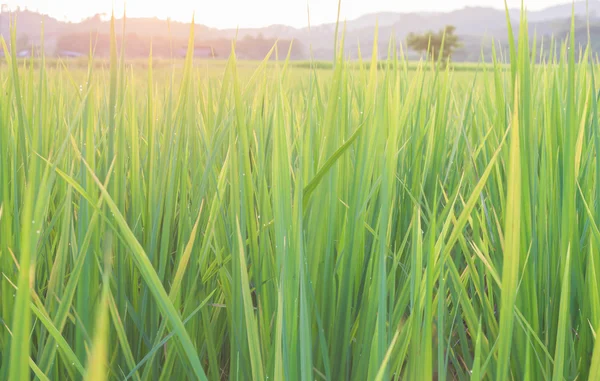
476,26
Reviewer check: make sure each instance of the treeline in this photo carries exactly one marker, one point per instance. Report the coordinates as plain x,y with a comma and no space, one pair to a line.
136,46
257,47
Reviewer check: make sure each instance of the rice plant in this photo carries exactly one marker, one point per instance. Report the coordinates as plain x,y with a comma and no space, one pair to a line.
357,222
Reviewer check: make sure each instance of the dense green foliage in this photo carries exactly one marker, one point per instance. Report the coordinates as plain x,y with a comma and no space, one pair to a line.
361,222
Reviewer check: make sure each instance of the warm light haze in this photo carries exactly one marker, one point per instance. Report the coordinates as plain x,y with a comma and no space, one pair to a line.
411,193
257,13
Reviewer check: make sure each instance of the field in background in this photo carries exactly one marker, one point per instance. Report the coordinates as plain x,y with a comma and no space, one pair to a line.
82,63
277,220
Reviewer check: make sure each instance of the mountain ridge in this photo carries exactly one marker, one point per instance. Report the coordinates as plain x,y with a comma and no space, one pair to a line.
474,25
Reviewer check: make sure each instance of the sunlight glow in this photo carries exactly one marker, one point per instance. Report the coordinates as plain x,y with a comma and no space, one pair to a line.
255,13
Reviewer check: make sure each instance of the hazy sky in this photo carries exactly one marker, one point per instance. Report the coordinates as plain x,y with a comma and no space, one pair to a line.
254,13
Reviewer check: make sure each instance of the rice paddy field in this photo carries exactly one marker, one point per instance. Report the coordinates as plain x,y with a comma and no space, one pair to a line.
268,221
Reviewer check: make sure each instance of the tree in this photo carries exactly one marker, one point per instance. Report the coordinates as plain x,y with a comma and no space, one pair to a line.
440,45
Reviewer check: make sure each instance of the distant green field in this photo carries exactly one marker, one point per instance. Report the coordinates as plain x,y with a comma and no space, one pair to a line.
82,64
213,220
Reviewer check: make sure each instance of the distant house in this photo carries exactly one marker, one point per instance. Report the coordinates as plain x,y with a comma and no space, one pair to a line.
69,54
200,51
32,51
